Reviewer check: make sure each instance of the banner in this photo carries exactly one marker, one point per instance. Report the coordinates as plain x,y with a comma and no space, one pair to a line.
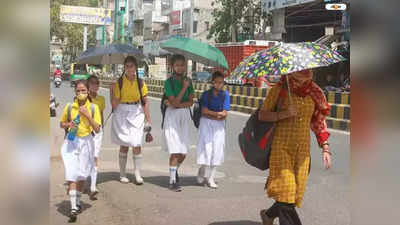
85,15
175,20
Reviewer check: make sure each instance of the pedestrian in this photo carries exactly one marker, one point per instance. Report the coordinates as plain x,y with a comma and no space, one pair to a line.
131,116
290,152
215,105
77,150
179,91
93,83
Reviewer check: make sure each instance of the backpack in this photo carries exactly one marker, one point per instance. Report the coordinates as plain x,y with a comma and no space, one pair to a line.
255,140
163,106
196,115
140,85
69,115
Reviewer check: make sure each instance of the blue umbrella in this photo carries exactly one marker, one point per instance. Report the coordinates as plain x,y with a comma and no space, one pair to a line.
109,54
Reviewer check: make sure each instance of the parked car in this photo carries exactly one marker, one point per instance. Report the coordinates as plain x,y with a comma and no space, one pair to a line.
203,77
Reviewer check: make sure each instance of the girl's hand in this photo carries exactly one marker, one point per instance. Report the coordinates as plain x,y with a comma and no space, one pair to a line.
186,83
84,111
326,157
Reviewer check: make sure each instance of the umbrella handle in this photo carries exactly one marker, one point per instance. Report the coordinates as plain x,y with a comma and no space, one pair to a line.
288,86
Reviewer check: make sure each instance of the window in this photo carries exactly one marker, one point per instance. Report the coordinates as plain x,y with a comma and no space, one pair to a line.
207,25
195,26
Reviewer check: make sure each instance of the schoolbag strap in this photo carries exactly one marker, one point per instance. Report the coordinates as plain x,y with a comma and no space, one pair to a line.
69,112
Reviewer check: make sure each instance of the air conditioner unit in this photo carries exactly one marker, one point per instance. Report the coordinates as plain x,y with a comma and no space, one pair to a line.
256,42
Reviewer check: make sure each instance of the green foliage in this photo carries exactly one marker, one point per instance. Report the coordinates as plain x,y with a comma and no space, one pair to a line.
237,16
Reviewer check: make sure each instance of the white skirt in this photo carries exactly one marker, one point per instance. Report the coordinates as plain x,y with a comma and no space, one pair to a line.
176,130
211,144
78,157
98,138
127,125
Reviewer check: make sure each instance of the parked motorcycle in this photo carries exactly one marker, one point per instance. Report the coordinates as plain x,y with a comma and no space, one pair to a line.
53,105
57,82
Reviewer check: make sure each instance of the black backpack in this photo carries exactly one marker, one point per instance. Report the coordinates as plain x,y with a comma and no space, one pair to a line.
196,115
163,106
255,140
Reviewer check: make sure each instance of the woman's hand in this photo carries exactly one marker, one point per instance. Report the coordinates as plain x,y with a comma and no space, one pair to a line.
326,157
291,111
84,111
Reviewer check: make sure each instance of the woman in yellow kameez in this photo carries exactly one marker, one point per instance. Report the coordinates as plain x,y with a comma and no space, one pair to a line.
303,109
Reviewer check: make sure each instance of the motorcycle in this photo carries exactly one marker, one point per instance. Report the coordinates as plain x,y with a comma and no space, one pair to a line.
57,81
53,105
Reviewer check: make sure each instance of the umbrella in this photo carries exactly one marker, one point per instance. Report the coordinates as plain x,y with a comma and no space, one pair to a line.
286,58
109,54
196,50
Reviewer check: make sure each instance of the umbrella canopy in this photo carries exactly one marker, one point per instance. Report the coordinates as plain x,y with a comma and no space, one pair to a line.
196,50
109,54
286,58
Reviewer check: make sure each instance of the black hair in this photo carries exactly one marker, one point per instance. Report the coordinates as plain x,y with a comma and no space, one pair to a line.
177,57
217,74
131,59
92,77
85,83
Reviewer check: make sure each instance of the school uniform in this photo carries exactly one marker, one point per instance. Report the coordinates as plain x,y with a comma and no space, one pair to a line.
177,120
129,119
100,102
78,154
211,139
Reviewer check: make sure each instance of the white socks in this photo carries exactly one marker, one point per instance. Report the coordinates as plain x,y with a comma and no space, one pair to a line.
213,171
93,180
172,174
73,194
123,158
137,162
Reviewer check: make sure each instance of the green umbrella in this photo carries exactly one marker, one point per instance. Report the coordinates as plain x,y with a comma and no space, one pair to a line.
196,50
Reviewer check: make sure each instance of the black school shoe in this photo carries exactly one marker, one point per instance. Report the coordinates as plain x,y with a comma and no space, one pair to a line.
175,187
73,216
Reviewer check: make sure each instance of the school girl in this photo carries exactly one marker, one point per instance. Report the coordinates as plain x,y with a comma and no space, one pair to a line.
78,150
93,83
210,149
179,92
131,109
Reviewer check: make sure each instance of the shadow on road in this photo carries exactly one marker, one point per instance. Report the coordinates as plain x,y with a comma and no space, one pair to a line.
65,207
240,222
161,181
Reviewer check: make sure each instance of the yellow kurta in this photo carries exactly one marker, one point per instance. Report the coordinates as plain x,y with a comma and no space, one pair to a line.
290,151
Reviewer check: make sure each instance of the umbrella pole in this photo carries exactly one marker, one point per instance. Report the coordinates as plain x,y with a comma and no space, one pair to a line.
288,86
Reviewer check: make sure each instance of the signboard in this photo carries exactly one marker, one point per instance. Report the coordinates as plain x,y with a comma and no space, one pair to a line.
148,26
175,20
186,19
85,15
268,5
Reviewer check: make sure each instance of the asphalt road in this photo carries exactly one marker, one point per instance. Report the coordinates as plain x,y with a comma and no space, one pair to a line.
237,201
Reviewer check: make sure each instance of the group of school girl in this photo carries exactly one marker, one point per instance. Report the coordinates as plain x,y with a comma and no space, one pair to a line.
289,161
131,117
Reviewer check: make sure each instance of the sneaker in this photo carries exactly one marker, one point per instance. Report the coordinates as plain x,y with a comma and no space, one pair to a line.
73,216
92,195
139,179
265,218
175,187
212,184
124,180
79,210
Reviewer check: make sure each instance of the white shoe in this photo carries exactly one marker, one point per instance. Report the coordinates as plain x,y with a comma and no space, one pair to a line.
139,179
212,184
124,180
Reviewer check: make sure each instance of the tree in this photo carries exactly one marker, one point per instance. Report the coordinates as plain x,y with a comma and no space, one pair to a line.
235,17
72,32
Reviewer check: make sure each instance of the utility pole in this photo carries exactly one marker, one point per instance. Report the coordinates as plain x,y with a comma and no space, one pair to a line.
116,19
104,38
84,37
